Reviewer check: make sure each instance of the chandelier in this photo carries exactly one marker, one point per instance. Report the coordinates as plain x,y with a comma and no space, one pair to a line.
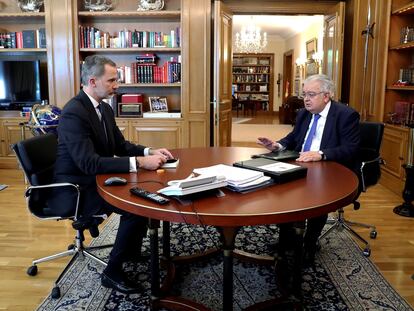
249,40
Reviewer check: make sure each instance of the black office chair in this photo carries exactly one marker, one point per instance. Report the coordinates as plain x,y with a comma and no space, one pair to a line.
37,156
369,174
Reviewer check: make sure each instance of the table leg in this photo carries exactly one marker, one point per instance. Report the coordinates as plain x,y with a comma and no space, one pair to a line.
155,269
228,235
166,245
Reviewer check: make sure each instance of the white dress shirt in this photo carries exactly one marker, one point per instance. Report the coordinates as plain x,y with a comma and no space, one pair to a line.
316,141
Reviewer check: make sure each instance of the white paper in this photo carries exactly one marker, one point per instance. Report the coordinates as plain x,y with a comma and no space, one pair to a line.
234,175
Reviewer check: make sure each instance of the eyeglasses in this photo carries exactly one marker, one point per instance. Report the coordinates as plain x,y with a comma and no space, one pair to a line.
310,94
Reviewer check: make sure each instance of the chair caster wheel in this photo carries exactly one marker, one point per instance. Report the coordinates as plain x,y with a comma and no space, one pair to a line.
366,252
55,292
71,246
32,270
373,234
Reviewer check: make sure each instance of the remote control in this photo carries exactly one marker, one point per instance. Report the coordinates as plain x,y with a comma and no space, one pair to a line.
149,195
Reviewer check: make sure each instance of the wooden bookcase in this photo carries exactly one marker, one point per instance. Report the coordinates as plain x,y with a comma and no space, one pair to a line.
13,20
253,78
400,56
124,16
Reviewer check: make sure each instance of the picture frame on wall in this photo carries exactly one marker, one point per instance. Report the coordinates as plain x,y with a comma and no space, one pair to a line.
311,46
311,68
158,104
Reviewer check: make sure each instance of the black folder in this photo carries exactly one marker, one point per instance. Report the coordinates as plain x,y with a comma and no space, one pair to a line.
278,155
280,172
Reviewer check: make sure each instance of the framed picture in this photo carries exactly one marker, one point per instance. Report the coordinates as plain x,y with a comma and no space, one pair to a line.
311,48
311,68
158,104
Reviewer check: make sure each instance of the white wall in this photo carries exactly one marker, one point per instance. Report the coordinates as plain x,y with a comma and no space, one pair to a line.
278,46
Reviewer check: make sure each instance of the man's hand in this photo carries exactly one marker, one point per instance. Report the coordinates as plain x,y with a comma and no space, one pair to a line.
267,143
151,162
309,156
164,152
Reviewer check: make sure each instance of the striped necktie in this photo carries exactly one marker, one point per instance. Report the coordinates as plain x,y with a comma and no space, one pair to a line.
101,110
312,131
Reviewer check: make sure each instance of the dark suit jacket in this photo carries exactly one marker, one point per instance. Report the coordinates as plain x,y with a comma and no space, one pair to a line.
83,153
340,138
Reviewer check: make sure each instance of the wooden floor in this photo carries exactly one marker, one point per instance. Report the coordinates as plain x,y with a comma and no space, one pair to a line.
23,238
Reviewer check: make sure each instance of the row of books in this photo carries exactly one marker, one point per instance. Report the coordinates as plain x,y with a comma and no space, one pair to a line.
250,78
91,37
264,69
28,39
403,113
169,72
407,75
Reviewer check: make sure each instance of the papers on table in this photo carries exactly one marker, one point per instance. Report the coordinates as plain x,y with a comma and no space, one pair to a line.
193,185
238,179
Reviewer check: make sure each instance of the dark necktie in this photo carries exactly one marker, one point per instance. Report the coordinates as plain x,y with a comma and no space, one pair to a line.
101,110
312,131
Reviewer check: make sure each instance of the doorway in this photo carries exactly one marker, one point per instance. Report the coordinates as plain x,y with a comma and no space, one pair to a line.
276,11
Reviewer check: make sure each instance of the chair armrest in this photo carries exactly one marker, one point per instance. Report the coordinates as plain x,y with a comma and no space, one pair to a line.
377,159
57,185
54,185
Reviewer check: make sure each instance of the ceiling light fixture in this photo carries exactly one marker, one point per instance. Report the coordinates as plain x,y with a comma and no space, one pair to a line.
250,40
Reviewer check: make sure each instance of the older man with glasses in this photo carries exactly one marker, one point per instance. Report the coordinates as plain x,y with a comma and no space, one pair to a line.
324,131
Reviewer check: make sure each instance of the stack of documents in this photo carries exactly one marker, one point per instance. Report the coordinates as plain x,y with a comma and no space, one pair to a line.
238,179
193,185
278,171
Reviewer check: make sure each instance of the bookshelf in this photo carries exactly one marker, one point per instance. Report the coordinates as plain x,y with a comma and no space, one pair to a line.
13,46
253,78
398,93
125,34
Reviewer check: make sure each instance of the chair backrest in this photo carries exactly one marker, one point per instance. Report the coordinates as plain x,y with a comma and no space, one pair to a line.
369,154
37,157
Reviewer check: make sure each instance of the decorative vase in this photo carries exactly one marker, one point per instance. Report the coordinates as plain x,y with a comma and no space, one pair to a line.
99,5
150,5
30,5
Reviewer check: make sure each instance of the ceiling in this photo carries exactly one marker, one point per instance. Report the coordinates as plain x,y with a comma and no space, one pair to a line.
284,26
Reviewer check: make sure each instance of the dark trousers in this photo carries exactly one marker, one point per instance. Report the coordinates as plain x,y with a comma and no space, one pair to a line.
131,231
312,231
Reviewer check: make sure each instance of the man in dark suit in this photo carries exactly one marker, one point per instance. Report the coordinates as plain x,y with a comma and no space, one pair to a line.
324,131
90,143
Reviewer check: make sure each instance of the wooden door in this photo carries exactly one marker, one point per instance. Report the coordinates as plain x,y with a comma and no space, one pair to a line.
333,45
222,74
287,74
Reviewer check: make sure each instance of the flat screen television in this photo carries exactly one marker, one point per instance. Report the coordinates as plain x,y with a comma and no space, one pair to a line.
19,83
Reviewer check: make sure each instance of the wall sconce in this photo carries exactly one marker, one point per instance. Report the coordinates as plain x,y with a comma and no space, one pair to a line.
300,61
318,57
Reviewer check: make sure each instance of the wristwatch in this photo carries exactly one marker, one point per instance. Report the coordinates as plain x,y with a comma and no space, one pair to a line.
322,155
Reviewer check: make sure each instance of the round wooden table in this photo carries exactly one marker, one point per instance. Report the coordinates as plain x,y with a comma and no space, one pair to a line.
327,187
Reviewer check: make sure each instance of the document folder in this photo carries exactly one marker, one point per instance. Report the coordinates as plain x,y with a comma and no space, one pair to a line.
279,171
278,155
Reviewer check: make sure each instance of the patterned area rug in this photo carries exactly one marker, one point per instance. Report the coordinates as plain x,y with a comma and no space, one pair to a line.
342,279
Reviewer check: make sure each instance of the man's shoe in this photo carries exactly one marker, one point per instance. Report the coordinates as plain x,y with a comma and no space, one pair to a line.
119,284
